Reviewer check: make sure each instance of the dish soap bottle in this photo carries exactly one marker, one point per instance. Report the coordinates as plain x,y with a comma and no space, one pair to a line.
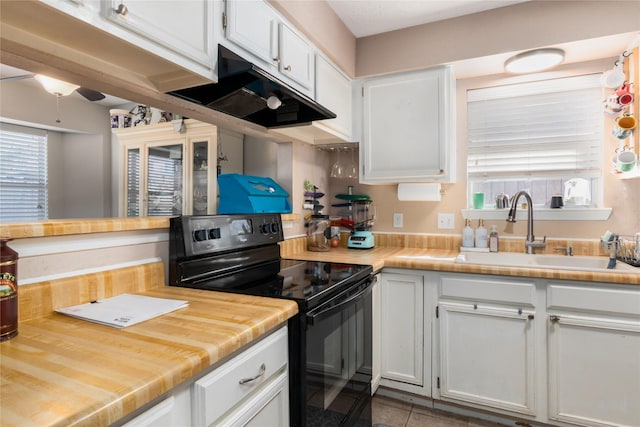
481,235
494,242
467,234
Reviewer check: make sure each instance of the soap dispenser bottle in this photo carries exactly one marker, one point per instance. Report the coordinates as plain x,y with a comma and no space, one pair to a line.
481,235
494,242
467,235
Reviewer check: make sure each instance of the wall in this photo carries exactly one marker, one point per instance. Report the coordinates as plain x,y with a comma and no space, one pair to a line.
513,28
421,217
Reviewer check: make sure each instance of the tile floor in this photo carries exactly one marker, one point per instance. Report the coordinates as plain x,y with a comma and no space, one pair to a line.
395,413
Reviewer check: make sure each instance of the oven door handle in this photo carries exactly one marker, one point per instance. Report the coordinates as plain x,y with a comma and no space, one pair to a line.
312,317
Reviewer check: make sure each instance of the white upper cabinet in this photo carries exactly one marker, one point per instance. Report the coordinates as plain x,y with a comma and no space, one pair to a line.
296,57
333,91
177,35
182,30
263,35
409,127
253,25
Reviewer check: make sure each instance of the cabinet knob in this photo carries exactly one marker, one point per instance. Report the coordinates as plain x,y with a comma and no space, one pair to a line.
260,373
531,317
276,60
554,318
121,9
287,68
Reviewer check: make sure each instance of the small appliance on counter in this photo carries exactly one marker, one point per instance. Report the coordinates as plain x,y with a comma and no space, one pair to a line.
363,218
245,194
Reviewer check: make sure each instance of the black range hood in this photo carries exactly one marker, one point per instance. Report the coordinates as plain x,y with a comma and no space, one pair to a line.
243,90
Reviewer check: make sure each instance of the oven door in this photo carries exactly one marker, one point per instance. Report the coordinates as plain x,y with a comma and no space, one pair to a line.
338,360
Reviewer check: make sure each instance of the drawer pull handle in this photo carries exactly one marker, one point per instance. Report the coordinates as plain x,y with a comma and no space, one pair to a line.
260,373
554,318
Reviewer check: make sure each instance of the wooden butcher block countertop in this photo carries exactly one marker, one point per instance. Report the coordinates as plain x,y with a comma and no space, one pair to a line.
442,260
65,371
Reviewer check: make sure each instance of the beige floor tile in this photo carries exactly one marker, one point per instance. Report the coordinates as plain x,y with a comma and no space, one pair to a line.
392,402
418,419
389,415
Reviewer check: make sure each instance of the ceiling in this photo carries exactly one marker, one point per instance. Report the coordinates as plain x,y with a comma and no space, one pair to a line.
368,17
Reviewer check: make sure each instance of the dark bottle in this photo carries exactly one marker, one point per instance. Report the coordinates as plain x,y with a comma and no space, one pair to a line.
8,291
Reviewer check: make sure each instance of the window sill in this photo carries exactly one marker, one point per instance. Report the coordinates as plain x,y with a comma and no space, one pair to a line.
542,214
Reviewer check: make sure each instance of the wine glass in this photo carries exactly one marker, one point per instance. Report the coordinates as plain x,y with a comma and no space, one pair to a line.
352,169
337,170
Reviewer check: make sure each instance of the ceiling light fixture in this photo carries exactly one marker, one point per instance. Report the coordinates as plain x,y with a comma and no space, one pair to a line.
55,86
534,60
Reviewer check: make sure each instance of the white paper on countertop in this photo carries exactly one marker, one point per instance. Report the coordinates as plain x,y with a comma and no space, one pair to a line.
123,310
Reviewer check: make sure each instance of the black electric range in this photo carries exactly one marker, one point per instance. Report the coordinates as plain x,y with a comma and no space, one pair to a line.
330,338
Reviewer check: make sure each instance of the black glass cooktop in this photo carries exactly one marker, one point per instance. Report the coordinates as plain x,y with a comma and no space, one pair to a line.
309,283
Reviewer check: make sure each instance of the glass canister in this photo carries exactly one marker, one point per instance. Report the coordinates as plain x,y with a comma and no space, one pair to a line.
319,233
8,291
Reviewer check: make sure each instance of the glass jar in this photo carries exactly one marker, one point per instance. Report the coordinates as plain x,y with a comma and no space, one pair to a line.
8,291
319,233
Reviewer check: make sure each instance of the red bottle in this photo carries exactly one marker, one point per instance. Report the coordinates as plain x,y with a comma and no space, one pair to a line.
8,291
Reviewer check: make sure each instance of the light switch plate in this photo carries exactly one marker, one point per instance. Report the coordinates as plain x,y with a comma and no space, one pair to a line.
446,221
397,220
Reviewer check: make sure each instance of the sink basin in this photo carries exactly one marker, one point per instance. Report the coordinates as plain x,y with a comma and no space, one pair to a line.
560,262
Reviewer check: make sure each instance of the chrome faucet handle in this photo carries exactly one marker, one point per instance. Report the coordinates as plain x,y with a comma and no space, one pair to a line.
568,251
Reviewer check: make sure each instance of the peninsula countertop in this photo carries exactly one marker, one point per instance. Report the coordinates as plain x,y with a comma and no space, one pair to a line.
65,371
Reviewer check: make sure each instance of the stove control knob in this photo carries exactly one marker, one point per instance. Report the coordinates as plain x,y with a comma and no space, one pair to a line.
264,228
274,227
214,233
200,235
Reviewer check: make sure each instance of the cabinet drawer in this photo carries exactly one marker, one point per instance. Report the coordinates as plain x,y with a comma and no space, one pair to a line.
216,393
594,298
473,288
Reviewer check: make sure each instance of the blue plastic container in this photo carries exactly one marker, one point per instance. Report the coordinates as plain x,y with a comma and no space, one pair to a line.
243,194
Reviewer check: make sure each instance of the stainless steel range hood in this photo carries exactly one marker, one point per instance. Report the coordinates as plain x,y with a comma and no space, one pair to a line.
247,92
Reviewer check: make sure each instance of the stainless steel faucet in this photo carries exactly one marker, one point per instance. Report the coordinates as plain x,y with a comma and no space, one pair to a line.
530,244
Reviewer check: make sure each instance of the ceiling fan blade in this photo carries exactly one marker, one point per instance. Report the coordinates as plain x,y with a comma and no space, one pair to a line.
90,94
12,78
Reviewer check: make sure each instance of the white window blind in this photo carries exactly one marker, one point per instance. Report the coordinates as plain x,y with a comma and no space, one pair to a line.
536,130
133,182
535,136
23,174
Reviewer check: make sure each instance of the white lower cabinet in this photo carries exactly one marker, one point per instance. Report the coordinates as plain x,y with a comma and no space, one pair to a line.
405,333
487,356
173,411
594,355
564,353
487,345
251,389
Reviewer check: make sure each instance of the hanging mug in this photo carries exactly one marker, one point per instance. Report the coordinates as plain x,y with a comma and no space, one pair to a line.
614,77
626,160
625,94
611,105
624,126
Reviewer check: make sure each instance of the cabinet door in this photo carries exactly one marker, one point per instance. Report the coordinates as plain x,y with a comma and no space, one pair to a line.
333,91
408,128
185,27
253,25
164,177
296,57
401,330
594,371
487,357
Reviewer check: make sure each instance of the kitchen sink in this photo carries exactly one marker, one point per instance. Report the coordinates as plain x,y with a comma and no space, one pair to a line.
560,262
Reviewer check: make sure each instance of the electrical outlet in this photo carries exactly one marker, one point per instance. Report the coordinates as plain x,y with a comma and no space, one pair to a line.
446,221
397,220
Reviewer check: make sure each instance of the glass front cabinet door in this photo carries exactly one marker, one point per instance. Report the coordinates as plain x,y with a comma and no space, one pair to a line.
167,173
